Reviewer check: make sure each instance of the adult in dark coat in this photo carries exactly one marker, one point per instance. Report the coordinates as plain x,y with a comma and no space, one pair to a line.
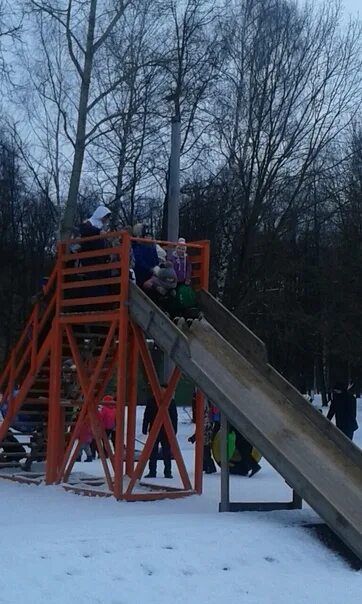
145,255
343,406
148,420
91,228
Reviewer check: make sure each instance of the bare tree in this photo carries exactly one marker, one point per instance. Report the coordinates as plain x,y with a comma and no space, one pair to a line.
191,57
44,97
84,48
290,87
121,151
10,30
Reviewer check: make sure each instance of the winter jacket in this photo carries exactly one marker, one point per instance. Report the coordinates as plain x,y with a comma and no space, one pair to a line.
4,408
215,413
21,422
145,259
86,229
183,268
208,428
343,406
108,417
84,433
150,415
163,280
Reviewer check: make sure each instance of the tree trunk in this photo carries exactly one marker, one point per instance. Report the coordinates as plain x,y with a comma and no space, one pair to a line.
80,141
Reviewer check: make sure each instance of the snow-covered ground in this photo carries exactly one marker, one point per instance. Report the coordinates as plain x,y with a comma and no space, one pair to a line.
57,547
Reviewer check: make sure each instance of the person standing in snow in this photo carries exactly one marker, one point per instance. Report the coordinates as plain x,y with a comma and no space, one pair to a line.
107,415
84,435
343,407
208,462
11,447
148,420
248,466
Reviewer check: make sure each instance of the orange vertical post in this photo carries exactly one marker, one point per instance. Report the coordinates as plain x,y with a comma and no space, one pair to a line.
132,402
205,265
61,442
54,412
122,366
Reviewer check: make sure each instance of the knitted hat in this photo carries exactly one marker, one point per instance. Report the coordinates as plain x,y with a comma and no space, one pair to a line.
166,276
69,365
181,245
108,400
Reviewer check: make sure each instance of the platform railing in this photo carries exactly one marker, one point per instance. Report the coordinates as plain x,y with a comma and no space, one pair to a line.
90,279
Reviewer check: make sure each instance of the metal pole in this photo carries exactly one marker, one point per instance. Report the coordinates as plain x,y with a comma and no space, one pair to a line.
225,482
173,200
174,181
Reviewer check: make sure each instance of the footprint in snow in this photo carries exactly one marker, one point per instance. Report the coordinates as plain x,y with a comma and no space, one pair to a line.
148,571
187,572
72,572
270,559
168,547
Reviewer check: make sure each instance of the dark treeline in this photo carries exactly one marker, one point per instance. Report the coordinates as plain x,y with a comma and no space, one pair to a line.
300,286
268,93
27,236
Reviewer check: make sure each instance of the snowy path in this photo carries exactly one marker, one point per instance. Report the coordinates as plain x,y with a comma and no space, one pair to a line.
61,548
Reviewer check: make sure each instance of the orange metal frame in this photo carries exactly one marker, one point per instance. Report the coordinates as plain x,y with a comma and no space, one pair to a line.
50,335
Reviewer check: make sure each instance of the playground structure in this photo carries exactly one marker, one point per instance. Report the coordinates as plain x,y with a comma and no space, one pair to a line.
83,318
105,335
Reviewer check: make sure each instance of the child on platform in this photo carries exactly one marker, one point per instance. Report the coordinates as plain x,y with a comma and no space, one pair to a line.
181,263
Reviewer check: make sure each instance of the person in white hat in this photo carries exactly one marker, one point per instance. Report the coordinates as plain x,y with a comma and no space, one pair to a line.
181,263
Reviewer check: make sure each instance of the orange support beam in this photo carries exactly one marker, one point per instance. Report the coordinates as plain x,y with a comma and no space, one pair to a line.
132,402
163,399
54,412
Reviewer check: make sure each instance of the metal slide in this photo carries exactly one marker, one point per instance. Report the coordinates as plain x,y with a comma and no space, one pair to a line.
229,364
